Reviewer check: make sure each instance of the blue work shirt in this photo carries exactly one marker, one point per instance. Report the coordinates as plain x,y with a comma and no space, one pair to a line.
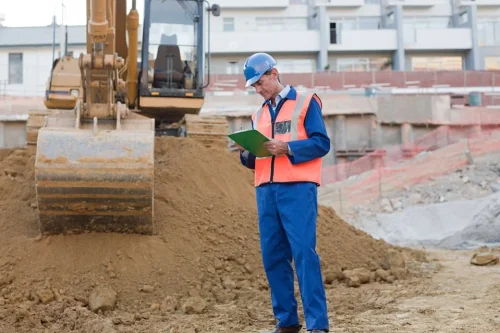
315,146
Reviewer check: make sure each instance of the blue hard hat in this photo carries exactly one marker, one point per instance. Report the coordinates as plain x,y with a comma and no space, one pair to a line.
256,65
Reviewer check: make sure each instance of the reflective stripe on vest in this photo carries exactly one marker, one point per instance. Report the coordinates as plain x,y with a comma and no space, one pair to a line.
289,126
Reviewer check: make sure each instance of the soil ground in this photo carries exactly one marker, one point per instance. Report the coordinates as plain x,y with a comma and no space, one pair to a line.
201,271
455,297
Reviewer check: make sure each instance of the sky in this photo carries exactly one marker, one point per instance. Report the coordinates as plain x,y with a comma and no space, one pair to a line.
26,13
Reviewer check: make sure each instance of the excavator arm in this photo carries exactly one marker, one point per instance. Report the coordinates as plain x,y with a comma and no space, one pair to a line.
94,168
94,165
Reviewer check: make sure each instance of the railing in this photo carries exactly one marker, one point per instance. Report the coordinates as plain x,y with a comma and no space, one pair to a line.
430,81
413,82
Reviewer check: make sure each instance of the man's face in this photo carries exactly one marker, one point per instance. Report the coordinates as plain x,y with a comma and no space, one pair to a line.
267,86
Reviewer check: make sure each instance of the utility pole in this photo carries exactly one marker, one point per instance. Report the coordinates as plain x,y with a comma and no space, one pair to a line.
62,33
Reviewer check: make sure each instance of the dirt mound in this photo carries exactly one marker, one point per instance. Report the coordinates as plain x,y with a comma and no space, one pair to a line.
204,259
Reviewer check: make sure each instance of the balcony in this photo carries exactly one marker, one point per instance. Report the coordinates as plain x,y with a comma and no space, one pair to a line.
249,4
416,3
365,40
438,39
342,3
270,41
480,3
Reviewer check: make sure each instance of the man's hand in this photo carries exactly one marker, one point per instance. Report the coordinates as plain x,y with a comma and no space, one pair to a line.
276,147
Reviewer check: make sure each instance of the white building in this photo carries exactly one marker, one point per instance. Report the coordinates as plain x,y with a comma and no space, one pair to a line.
304,36
359,35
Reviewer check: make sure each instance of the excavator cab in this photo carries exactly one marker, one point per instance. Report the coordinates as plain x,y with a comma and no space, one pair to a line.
172,84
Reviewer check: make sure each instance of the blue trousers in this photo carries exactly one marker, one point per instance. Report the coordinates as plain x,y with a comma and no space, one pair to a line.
287,226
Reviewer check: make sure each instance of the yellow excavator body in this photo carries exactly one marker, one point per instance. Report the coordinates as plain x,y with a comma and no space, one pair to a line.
94,166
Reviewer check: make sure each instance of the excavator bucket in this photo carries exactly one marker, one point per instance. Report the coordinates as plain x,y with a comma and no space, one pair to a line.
93,179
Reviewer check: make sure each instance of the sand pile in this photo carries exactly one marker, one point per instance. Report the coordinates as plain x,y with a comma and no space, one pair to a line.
205,256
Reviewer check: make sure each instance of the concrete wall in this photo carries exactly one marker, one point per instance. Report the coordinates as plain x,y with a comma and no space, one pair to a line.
12,134
421,109
391,135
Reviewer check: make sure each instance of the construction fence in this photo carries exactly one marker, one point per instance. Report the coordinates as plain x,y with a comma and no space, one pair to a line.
373,176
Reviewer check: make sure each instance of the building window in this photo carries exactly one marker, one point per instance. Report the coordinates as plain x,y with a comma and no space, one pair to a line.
228,23
492,63
437,63
15,68
362,64
281,23
233,68
339,24
412,24
488,30
295,65
356,23
333,33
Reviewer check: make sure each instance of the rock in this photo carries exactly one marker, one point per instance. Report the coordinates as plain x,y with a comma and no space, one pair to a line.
229,284
5,280
124,319
395,259
483,259
45,295
223,296
169,305
352,281
211,269
382,274
465,179
147,289
194,305
391,279
333,274
364,275
248,268
386,206
358,276
396,204
102,298
495,187
414,198
398,273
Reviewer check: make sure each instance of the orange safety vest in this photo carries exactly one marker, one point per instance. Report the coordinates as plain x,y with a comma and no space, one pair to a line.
289,126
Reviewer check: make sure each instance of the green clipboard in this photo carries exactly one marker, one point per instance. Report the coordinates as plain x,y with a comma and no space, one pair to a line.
252,140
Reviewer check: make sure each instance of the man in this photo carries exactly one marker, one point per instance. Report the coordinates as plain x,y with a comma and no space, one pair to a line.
286,190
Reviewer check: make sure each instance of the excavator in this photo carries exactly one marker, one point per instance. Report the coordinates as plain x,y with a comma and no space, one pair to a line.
95,141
